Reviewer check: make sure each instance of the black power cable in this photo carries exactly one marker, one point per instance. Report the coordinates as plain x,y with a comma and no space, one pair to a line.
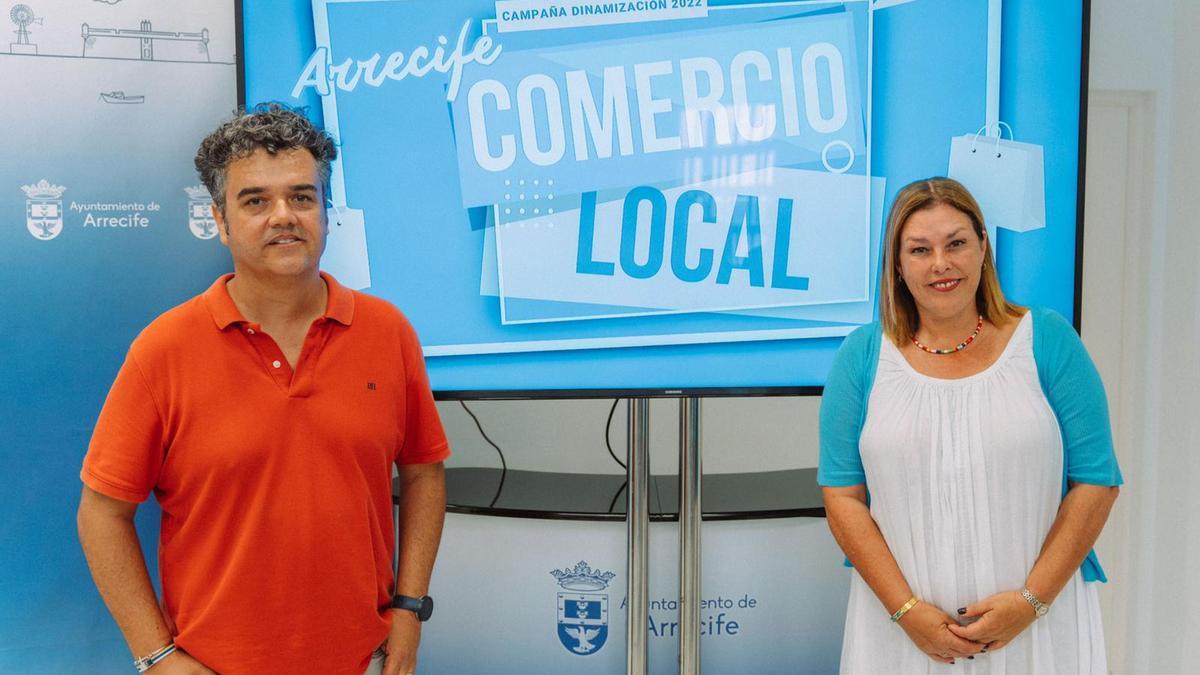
613,504
503,464
608,430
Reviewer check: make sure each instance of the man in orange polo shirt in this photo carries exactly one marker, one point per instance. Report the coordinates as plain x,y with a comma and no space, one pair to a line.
265,415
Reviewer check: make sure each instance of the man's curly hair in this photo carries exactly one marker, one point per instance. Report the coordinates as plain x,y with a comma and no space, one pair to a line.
270,126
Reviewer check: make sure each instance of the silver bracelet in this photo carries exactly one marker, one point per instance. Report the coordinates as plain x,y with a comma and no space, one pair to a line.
147,662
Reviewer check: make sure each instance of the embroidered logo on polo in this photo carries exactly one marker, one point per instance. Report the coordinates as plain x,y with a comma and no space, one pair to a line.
582,612
44,209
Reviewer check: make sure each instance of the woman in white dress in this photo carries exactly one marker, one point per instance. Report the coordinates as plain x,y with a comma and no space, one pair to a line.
966,463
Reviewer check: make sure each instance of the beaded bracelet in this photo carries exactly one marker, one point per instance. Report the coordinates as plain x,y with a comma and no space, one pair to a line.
912,602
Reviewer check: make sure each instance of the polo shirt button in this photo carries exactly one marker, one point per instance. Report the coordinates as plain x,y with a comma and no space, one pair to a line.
250,331
276,364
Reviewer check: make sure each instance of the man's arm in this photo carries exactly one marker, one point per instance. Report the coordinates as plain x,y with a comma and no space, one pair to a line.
114,555
422,511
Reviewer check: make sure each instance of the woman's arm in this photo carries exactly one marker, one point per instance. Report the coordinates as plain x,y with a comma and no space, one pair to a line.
1082,515
857,533
843,480
1075,393
1080,518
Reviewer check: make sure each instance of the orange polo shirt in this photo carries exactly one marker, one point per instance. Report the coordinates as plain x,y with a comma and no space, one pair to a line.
275,485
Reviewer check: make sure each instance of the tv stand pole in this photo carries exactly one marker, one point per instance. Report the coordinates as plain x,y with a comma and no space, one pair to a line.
690,516
637,520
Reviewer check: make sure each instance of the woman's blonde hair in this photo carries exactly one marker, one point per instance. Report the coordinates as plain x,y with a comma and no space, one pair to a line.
897,309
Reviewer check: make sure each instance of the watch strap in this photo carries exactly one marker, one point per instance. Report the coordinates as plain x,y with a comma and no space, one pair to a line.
422,606
1039,608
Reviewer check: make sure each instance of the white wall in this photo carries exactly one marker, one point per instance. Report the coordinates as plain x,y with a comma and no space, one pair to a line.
1141,316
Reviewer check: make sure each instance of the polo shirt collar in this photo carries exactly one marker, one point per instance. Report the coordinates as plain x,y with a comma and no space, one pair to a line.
339,303
339,306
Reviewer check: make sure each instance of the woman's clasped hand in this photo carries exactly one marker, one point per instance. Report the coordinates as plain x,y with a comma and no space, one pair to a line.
997,620
932,631
984,626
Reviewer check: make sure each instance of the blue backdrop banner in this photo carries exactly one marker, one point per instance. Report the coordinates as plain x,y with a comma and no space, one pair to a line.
103,225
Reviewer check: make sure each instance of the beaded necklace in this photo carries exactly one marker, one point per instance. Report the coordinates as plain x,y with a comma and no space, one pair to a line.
961,346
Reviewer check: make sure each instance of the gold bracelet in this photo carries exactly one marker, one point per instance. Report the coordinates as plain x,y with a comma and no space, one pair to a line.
912,602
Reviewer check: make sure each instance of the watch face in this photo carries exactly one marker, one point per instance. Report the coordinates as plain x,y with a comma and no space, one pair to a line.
426,609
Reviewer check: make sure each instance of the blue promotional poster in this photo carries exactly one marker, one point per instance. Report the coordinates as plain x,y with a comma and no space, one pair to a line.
663,196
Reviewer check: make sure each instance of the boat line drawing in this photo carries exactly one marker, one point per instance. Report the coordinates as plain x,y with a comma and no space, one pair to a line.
118,96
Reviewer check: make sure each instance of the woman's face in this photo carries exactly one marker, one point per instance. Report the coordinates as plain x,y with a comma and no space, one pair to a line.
940,261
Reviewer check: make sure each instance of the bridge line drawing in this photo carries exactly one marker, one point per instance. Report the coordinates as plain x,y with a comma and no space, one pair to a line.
145,36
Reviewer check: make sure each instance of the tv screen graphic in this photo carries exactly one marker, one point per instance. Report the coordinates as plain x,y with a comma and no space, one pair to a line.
670,196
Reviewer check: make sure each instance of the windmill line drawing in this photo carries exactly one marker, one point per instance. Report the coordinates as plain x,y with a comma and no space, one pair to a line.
22,15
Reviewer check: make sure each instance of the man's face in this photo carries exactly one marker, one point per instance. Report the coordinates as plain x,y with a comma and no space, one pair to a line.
274,222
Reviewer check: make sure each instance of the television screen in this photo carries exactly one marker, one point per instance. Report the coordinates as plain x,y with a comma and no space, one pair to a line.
668,196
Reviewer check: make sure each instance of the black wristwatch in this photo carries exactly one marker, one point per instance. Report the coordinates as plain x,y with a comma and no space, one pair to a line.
422,606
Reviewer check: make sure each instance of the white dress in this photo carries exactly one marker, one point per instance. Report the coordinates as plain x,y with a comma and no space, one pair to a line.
965,480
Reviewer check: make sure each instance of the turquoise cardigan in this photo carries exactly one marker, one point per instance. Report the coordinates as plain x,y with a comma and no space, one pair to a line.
1069,381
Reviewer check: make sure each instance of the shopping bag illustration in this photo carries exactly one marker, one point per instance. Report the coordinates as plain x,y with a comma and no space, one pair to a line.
1006,177
346,248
